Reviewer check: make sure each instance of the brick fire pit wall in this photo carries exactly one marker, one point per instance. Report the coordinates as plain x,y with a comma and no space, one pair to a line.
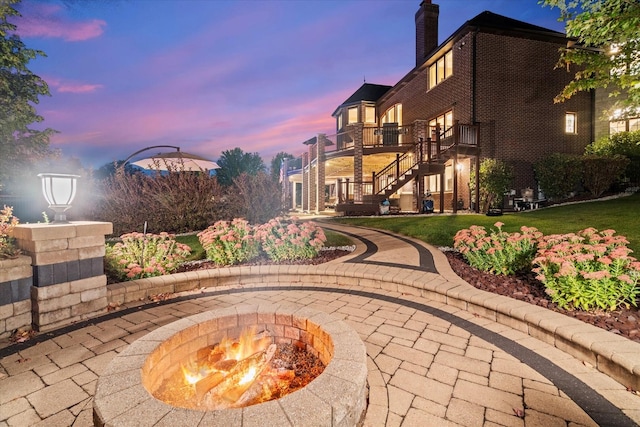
337,397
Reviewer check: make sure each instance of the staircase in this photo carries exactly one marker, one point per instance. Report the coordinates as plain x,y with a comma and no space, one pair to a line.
424,158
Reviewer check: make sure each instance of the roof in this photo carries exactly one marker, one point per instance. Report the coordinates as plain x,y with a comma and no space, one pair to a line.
489,19
366,92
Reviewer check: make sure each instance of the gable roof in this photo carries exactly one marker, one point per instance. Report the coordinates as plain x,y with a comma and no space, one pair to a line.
367,92
489,19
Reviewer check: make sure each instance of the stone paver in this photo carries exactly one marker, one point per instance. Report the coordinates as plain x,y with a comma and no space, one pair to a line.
428,364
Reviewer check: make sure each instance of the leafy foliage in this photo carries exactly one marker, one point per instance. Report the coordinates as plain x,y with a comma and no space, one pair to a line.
173,202
20,145
495,179
622,143
8,248
276,164
558,174
600,172
141,255
607,48
230,242
498,252
255,197
234,163
284,239
588,270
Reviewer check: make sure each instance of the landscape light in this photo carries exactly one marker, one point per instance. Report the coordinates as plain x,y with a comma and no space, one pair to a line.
59,190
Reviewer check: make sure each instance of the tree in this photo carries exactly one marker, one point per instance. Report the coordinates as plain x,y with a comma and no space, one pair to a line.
276,164
606,48
20,145
235,162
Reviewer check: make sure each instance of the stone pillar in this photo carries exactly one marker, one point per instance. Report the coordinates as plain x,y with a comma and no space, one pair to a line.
358,154
15,295
69,283
320,173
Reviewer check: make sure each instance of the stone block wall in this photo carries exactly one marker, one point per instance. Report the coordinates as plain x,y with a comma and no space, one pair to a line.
69,283
15,295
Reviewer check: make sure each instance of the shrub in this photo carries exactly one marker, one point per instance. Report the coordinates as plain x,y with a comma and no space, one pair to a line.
8,248
498,252
145,255
283,239
622,143
600,172
558,174
255,197
495,180
176,201
228,243
587,270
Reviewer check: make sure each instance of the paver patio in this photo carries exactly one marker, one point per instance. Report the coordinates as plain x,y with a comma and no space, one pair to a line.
431,363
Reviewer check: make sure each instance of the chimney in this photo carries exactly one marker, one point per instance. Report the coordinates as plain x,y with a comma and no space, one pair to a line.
426,30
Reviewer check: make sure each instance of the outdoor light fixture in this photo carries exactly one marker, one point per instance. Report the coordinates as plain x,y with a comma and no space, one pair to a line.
59,189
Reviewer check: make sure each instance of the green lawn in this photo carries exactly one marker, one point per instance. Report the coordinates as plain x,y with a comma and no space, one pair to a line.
621,215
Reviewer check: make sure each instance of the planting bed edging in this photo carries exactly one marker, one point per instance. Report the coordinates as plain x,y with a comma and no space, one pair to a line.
611,354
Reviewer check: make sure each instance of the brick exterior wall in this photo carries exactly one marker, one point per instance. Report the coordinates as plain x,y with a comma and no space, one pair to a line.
515,86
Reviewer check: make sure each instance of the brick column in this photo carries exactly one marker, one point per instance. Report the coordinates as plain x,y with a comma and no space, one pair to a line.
69,283
305,182
15,295
358,154
320,172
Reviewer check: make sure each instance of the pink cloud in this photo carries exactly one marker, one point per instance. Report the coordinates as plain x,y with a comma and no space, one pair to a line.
71,87
41,20
78,88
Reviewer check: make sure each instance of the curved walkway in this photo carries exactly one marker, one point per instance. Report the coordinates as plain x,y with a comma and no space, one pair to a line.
431,363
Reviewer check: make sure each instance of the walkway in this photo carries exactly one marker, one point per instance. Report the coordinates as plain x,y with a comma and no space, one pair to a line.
430,363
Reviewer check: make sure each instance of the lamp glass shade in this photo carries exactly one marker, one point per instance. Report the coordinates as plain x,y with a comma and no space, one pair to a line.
59,190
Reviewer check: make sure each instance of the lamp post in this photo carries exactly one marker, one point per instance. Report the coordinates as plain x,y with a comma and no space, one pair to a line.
59,190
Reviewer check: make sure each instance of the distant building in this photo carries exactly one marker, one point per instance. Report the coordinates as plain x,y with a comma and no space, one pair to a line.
486,92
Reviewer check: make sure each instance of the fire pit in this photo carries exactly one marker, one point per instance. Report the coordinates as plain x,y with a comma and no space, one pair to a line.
129,389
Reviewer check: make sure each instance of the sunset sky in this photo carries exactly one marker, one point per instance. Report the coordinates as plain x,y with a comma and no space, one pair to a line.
212,75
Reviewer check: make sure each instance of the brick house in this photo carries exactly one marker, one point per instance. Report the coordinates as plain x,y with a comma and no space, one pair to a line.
486,92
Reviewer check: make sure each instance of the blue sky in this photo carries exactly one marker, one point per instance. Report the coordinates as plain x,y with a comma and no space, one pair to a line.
212,75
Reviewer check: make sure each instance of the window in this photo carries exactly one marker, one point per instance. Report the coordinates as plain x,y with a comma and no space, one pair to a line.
446,123
340,121
353,115
441,69
393,115
433,181
624,125
570,123
370,114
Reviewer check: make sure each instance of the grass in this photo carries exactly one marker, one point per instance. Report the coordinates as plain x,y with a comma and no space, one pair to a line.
619,214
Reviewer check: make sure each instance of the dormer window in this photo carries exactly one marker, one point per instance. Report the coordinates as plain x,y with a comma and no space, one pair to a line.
441,69
370,114
352,116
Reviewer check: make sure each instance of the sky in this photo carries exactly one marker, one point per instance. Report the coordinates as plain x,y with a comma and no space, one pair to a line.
213,75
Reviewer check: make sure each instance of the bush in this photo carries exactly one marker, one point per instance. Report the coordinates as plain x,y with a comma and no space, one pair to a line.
177,201
144,255
228,243
498,252
8,248
558,175
588,270
255,197
600,172
282,239
622,143
495,180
